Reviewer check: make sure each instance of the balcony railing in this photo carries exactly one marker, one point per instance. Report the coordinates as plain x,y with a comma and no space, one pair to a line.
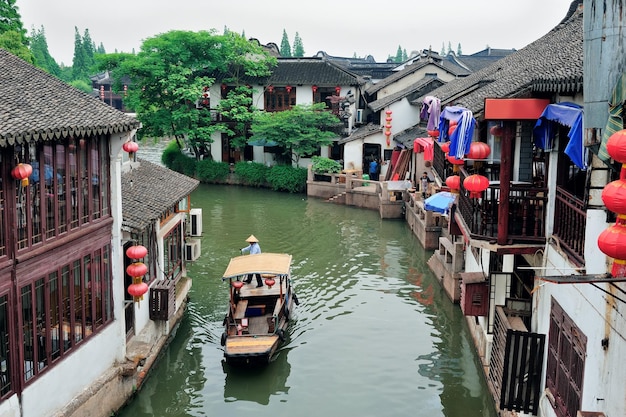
569,225
525,218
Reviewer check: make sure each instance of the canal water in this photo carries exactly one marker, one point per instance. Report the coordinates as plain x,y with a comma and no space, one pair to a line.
374,334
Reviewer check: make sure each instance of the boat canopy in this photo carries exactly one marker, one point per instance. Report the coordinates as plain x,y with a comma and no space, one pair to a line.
262,263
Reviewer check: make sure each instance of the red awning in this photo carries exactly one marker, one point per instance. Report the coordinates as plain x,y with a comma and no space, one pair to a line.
425,145
514,108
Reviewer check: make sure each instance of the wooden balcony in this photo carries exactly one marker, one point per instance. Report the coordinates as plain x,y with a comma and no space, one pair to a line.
570,221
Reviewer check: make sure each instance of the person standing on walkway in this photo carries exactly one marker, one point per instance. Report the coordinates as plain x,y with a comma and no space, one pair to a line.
374,169
253,248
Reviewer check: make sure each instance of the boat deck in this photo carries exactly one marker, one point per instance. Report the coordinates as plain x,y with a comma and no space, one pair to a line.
251,290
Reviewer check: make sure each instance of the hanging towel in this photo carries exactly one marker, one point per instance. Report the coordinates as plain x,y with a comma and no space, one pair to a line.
615,121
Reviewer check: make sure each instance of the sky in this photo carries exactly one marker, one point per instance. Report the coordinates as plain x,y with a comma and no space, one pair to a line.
340,28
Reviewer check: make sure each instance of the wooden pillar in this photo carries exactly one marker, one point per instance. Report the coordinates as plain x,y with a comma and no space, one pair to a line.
506,154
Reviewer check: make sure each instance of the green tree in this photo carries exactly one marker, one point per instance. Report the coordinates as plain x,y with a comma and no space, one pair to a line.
89,48
100,49
169,74
298,47
449,51
405,56
285,48
13,42
459,52
10,20
80,68
299,132
443,50
39,48
398,57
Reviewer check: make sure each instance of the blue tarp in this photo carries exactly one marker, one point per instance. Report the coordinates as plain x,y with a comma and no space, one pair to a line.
440,202
566,114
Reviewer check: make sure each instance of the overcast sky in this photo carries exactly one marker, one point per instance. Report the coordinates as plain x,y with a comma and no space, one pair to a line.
340,28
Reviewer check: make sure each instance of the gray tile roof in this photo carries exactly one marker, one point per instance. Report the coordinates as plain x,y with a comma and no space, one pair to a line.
408,70
419,87
552,63
361,133
37,106
148,191
406,137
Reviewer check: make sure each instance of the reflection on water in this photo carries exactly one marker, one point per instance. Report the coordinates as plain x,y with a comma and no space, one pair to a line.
374,334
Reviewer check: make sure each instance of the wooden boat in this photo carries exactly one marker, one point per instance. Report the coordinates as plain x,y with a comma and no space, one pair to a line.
257,317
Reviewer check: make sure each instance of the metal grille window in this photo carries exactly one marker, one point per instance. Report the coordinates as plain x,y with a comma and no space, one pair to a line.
566,362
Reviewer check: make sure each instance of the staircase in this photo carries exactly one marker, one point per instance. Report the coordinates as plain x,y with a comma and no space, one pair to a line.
338,198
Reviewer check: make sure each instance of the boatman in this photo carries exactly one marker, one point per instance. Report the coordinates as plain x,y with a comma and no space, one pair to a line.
253,248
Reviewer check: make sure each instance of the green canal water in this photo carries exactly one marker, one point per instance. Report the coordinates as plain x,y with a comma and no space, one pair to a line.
374,334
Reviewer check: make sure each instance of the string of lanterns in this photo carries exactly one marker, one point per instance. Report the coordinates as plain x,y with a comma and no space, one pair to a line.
388,126
137,270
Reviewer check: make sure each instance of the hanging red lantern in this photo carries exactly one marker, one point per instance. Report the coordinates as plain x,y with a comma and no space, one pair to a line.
288,88
131,147
137,289
338,89
496,130
137,269
445,147
237,284
433,134
269,282
478,150
454,182
612,242
136,252
476,184
455,162
616,146
314,88
270,89
22,172
614,196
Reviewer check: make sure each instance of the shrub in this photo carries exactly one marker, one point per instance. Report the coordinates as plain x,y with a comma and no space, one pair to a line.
322,165
287,178
169,154
251,173
184,164
208,170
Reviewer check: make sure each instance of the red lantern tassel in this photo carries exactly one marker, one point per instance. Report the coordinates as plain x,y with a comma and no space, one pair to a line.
619,268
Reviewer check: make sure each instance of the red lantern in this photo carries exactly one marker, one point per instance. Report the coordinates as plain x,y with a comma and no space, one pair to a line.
445,147
612,242
614,196
476,184
137,269
433,133
388,112
314,88
270,89
496,130
269,282
22,172
478,150
136,252
451,130
616,146
454,182
338,89
455,162
130,147
137,289
237,284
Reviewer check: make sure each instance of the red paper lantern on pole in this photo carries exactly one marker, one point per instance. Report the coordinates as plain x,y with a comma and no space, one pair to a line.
614,196
478,150
237,284
269,282
496,130
22,172
314,88
137,289
288,88
445,147
136,252
616,146
433,134
476,184
137,269
454,182
612,242
455,162
131,147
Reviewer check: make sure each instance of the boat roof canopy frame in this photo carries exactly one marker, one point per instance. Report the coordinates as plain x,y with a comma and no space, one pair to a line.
262,263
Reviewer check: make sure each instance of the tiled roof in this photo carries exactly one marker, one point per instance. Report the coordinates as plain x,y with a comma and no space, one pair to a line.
408,70
37,106
148,191
406,137
361,133
554,62
309,71
417,87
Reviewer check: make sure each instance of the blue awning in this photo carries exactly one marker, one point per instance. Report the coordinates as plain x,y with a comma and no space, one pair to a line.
440,202
566,114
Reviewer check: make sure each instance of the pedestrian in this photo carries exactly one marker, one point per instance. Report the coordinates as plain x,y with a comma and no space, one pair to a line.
374,169
425,184
253,248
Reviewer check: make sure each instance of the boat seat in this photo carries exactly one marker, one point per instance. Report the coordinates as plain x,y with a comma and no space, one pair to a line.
240,312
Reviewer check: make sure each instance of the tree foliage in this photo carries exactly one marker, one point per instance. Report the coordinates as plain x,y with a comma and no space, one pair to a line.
299,131
42,57
169,74
12,42
12,33
298,47
285,48
398,57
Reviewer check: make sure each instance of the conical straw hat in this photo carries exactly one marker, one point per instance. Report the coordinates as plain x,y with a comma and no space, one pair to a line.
252,239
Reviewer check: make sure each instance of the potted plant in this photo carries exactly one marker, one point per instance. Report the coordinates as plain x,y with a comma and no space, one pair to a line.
323,165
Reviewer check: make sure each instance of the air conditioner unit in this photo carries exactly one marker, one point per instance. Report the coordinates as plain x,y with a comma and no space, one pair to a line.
192,250
359,116
195,220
